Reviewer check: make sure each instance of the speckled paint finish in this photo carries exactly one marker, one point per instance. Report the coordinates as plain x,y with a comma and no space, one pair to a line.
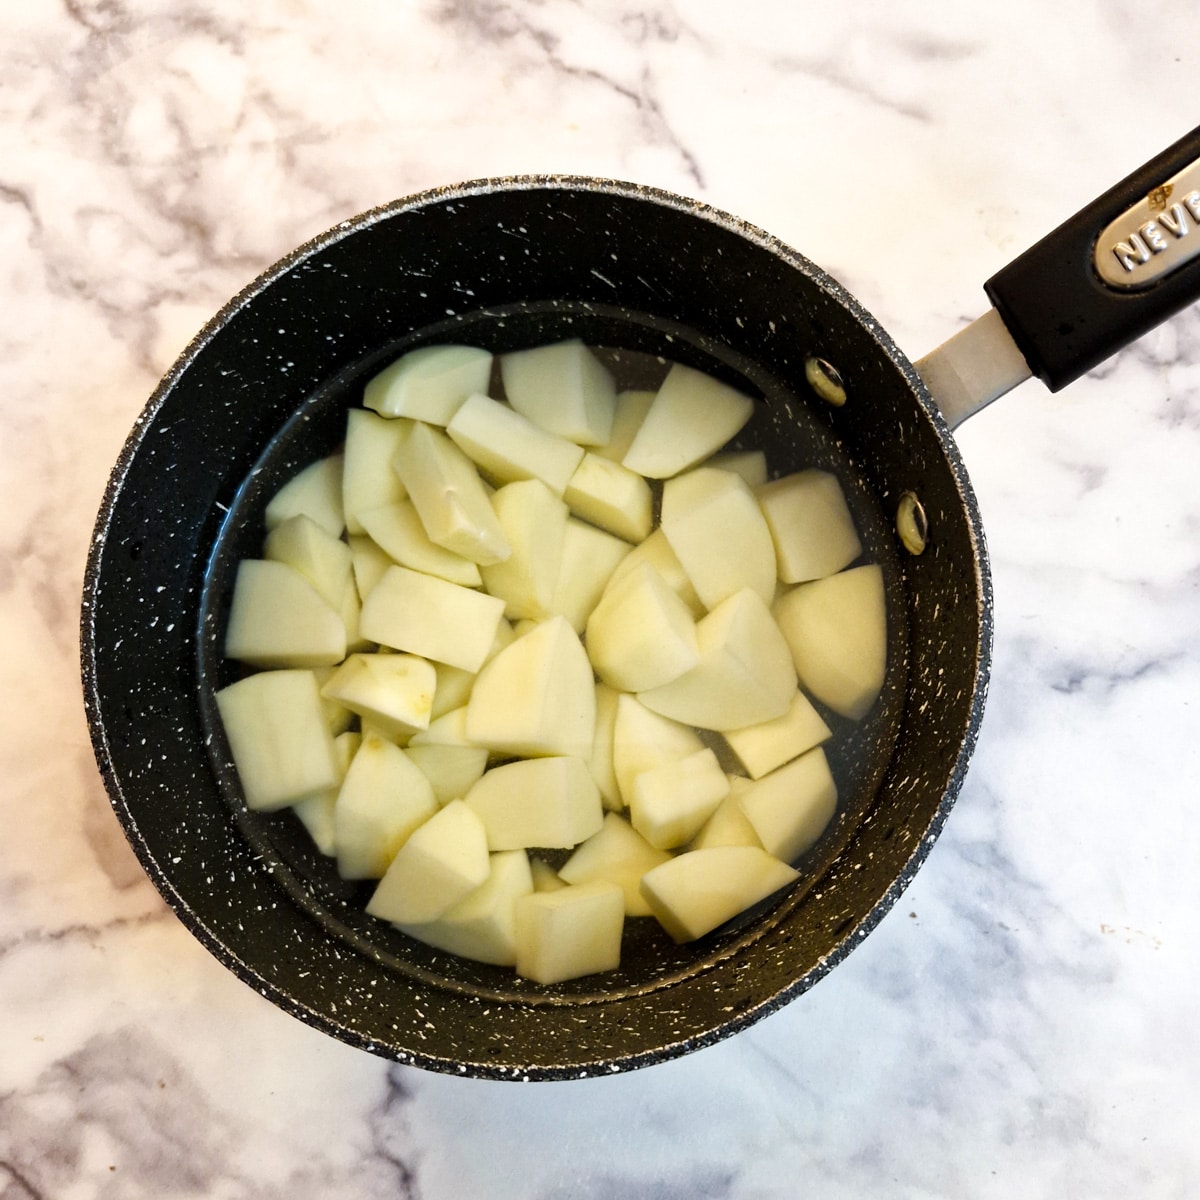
263,389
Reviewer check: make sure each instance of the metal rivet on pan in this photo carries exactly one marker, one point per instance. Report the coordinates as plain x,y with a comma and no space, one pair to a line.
911,523
825,379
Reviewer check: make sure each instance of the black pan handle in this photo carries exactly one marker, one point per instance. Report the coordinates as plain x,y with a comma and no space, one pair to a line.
1120,266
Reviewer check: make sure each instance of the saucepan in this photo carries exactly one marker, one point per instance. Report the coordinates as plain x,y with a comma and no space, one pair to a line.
515,262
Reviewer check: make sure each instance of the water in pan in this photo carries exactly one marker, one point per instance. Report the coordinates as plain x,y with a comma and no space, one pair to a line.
638,350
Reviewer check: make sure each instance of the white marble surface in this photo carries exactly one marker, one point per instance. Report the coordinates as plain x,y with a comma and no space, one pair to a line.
1024,1022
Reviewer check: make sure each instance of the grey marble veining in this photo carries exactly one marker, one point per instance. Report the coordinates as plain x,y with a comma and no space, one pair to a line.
1023,1021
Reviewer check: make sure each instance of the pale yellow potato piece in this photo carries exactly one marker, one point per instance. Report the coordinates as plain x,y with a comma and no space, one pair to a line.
671,802
811,525
562,388
453,689
656,551
421,614
450,729
790,807
316,491
440,864
642,739
728,826
693,415
571,932
278,619
369,562
641,635
612,497
324,560
589,558
534,522
536,697
745,673
430,383
552,803
482,926
601,761
629,413
761,748
337,715
719,534
449,495
618,854
368,480
278,736
398,530
509,446
392,691
545,877
451,770
751,465
316,809
836,630
695,892
383,799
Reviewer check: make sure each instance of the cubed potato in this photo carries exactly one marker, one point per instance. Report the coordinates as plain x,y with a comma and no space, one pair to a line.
641,635
450,497
618,854
562,388
571,932
278,737
811,525
728,826
642,739
450,729
601,761
628,414
695,892
398,530
836,630
551,803
761,748
751,465
316,491
482,926
545,877
671,802
534,522
745,673
337,716
383,799
430,383
536,697
453,689
324,560
508,446
278,619
589,558
441,863
656,551
790,807
719,534
612,497
693,415
392,691
368,480
421,614
451,770
369,562
316,809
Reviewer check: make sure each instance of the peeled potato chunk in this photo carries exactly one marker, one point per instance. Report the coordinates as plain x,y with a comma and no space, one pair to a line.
611,496
836,629
317,808
616,853
657,552
600,763
694,892
383,799
429,384
562,388
717,530
536,697
534,522
813,531
392,691
671,802
324,560
790,807
316,492
628,414
642,739
368,480
278,736
551,803
442,863
589,558
570,932
398,530
692,416
728,826
763,747
278,619
745,673
451,770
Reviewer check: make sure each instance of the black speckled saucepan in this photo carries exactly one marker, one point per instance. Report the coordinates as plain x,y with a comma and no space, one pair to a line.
507,263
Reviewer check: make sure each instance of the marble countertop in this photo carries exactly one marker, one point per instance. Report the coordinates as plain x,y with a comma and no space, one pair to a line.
1023,1022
